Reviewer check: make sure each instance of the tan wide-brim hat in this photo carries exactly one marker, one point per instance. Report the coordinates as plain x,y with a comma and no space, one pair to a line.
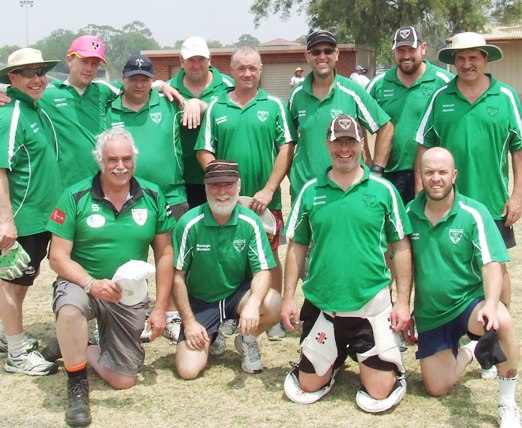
23,57
469,40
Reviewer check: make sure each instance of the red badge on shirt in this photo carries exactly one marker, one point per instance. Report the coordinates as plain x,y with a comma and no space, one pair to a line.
58,216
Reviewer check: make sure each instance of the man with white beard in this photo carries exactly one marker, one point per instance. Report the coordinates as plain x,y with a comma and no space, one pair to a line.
222,270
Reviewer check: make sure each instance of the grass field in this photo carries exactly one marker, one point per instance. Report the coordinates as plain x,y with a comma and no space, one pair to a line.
225,396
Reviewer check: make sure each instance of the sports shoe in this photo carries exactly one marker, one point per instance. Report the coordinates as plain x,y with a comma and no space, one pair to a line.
218,346
228,327
508,416
172,329
52,351
489,374
277,332
31,345
32,364
78,413
251,357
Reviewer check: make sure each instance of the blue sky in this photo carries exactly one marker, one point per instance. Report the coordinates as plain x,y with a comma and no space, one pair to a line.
169,20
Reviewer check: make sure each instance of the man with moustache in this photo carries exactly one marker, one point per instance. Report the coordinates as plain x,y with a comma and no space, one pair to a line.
98,225
350,215
196,79
454,237
402,92
29,186
222,270
478,119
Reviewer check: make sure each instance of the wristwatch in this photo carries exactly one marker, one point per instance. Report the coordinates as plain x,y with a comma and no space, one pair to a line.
87,287
377,169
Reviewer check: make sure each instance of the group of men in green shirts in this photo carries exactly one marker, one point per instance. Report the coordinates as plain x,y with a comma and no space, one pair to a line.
324,105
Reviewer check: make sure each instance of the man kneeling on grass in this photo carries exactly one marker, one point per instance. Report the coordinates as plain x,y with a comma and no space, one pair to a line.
222,271
457,252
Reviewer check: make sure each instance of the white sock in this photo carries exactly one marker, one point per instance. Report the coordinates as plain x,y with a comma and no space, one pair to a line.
16,345
172,315
506,389
249,339
2,331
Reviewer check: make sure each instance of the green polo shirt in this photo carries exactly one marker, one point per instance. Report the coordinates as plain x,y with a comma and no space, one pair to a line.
77,120
312,116
193,173
448,258
156,132
480,137
28,154
104,239
251,136
218,258
350,232
405,106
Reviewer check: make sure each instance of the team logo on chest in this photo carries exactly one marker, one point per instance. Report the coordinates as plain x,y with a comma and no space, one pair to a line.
368,199
335,112
262,115
139,215
492,110
455,235
239,245
156,117
95,221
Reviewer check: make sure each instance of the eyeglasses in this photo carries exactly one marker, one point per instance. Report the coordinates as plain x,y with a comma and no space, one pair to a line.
344,142
29,73
317,52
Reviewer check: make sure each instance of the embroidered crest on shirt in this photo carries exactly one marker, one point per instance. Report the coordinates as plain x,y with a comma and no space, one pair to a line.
492,110
455,235
139,215
335,112
156,117
262,115
239,245
368,199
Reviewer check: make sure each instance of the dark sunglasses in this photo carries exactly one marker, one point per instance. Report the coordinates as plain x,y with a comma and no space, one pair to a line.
317,52
29,73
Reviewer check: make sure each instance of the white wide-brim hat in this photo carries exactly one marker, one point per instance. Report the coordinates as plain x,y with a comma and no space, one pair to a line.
23,57
132,278
267,218
469,40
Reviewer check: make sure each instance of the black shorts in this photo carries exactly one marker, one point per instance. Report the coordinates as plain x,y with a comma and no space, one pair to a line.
352,336
404,182
210,315
507,233
36,246
196,195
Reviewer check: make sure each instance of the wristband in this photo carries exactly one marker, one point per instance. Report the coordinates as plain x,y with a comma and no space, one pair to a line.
377,169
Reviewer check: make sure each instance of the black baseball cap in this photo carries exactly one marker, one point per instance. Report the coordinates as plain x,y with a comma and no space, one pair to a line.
138,64
407,36
320,36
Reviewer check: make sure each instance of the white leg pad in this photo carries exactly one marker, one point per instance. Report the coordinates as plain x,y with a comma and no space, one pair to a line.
371,405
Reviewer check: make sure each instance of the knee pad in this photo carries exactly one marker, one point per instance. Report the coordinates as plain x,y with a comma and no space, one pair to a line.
294,392
371,405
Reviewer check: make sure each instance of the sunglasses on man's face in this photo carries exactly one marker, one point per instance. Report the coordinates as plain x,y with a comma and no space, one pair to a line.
317,52
29,73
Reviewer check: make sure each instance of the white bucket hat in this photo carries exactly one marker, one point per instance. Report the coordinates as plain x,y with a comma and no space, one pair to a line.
469,41
132,278
23,57
267,218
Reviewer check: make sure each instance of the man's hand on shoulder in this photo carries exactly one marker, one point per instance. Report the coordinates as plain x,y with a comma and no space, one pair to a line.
4,99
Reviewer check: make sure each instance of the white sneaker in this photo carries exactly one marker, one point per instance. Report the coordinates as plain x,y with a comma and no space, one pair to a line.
508,416
172,329
219,345
251,357
277,332
32,364
489,374
31,345
228,327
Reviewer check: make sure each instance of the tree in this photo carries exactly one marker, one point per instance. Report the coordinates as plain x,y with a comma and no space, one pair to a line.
373,22
55,46
247,40
5,51
507,12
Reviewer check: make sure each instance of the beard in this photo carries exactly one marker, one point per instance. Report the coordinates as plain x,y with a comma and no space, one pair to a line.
223,205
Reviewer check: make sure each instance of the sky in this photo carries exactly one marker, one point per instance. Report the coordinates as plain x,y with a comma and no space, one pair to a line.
168,20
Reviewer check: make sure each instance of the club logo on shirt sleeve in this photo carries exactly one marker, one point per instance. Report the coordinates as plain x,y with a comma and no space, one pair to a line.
455,235
239,245
139,215
168,210
58,216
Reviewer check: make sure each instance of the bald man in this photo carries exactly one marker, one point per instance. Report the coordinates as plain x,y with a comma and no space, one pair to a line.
455,238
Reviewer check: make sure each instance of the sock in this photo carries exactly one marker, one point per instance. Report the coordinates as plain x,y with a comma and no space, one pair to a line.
506,389
16,344
76,373
248,339
171,315
2,331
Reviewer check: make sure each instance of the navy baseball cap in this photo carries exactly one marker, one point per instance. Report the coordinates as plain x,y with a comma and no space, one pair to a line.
138,64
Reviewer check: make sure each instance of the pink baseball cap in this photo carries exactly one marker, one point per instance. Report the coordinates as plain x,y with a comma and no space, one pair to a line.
88,46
